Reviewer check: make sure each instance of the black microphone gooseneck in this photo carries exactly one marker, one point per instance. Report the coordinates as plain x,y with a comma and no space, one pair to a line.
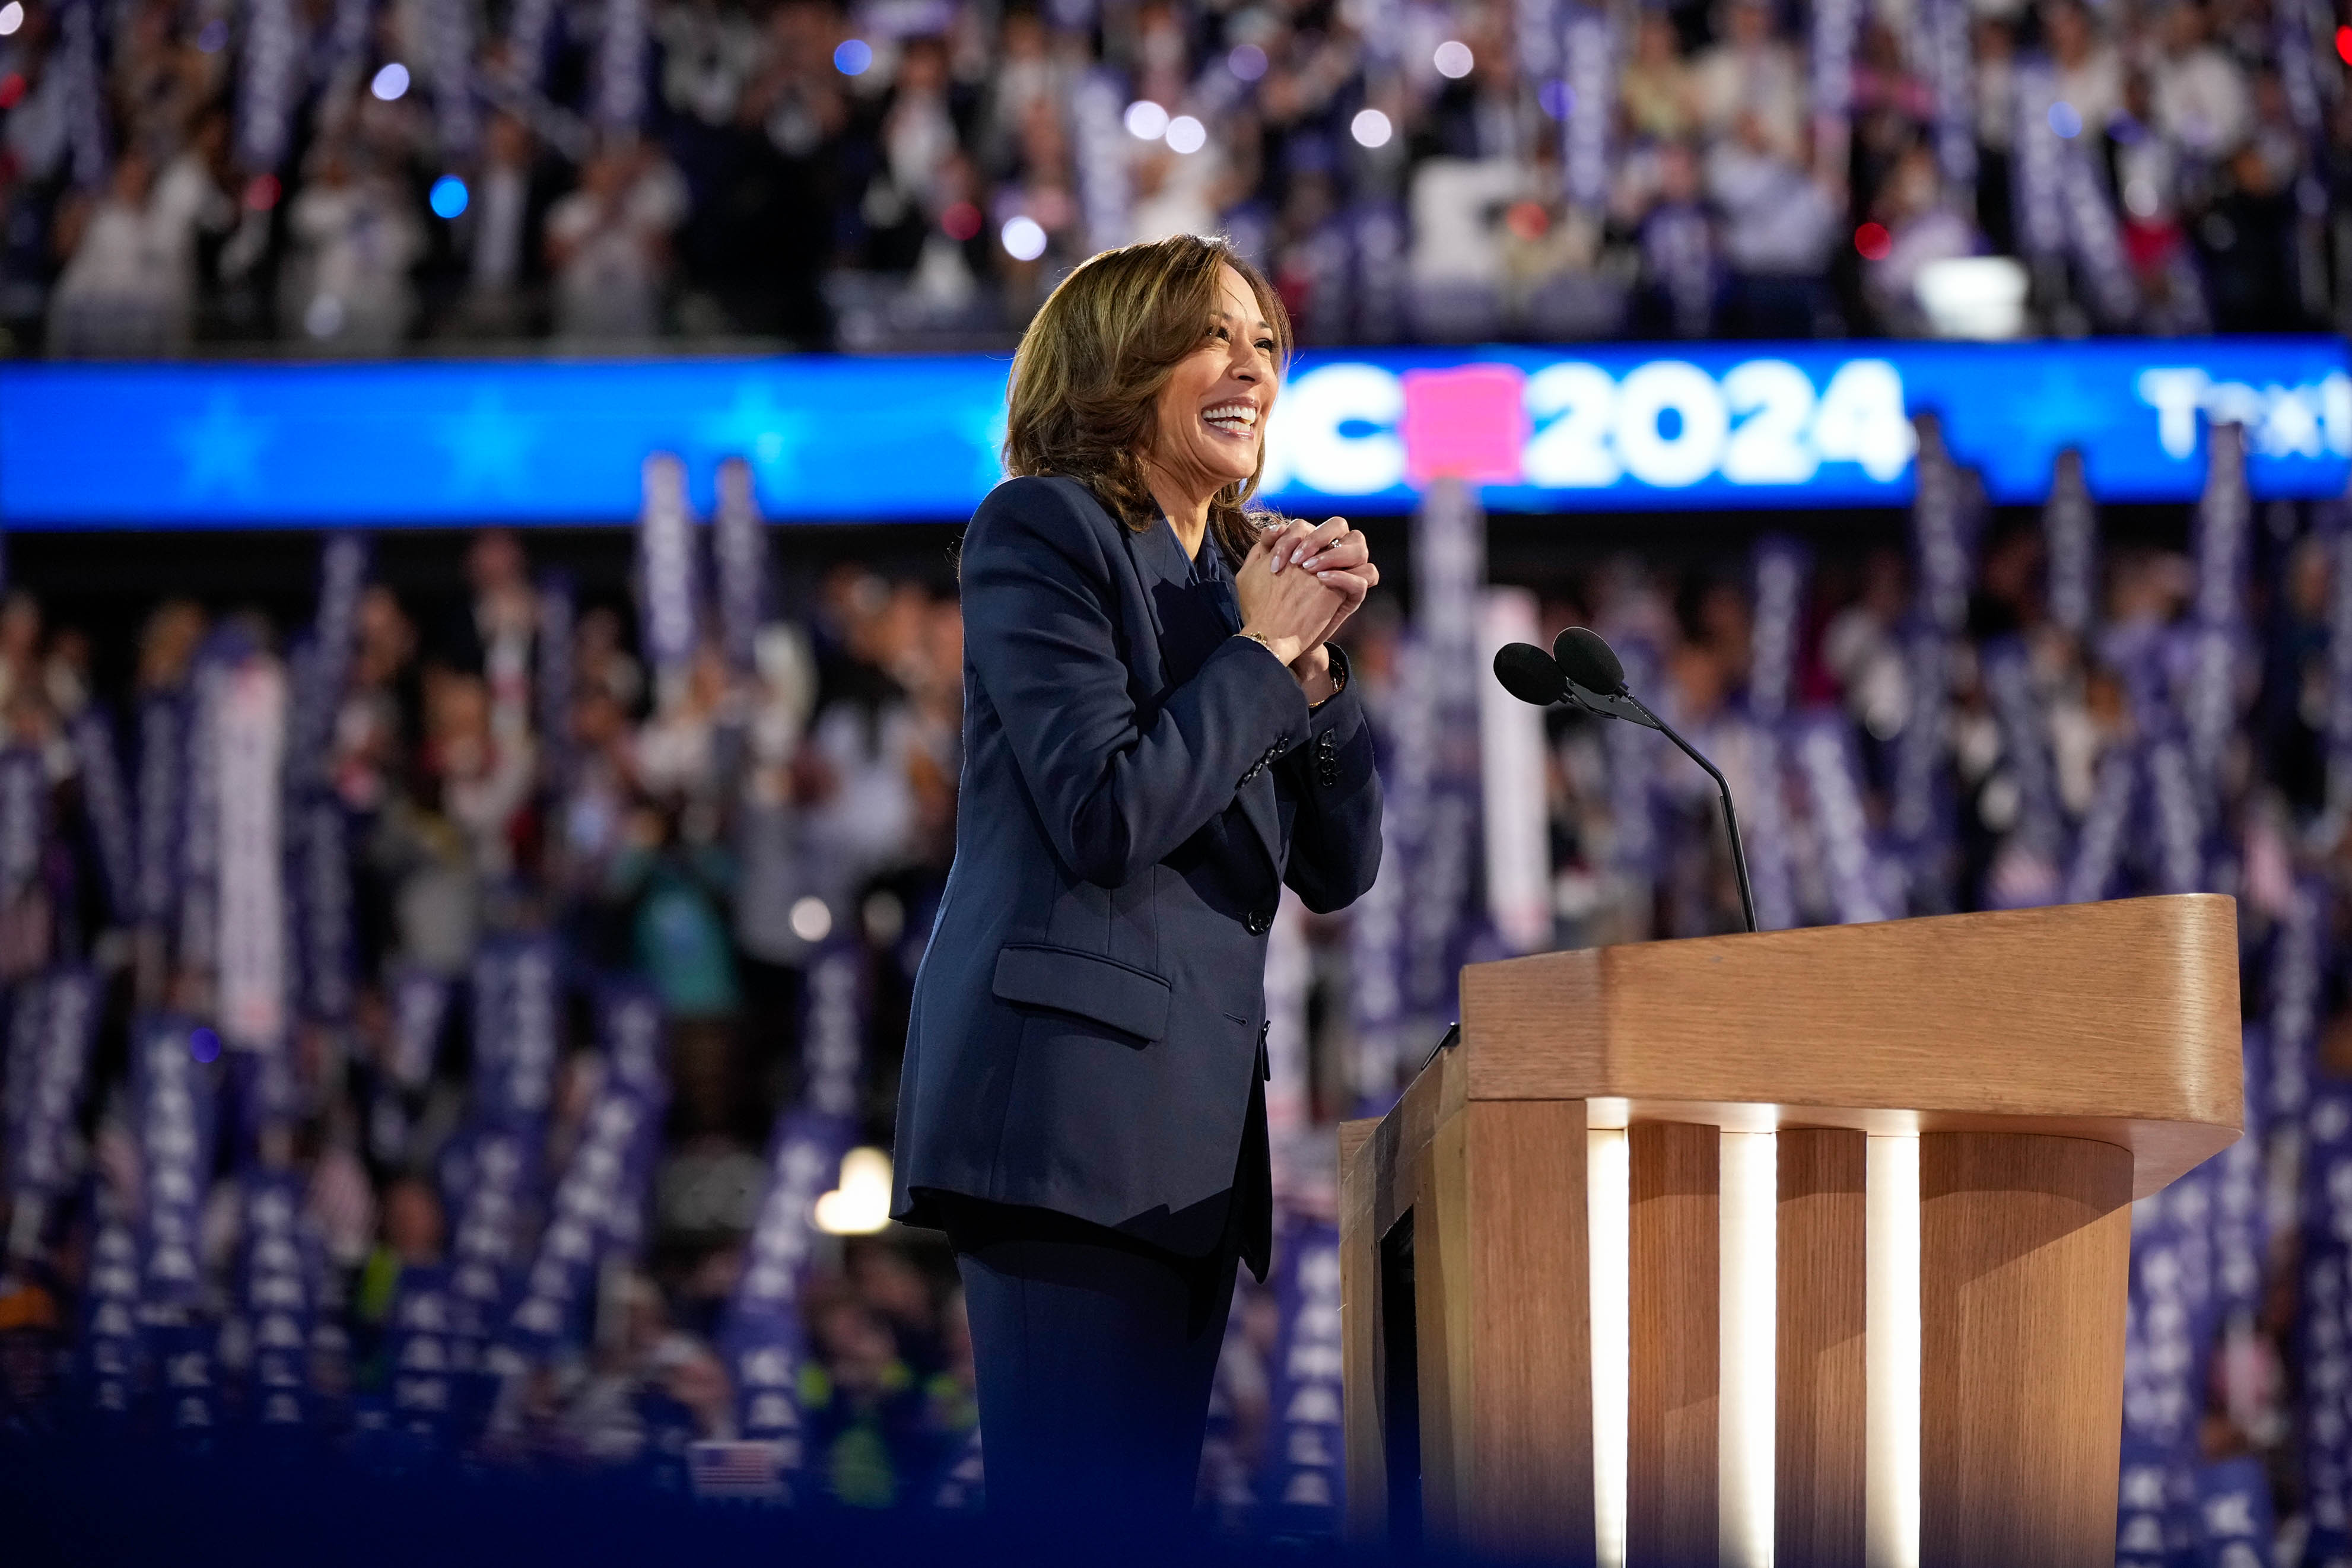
1592,670
1582,669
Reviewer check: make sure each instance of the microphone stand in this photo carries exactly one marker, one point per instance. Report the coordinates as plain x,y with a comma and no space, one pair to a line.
1730,817
1624,705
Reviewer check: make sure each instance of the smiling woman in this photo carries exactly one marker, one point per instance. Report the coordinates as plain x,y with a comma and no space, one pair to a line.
1157,738
1097,379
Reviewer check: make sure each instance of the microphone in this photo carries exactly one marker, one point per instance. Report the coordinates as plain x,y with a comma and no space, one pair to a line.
1584,657
1529,673
1582,667
1596,678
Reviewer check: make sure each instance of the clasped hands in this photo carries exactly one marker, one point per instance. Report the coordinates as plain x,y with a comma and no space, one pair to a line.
1298,584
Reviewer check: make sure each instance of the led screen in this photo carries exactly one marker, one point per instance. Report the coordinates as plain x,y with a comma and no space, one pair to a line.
1614,428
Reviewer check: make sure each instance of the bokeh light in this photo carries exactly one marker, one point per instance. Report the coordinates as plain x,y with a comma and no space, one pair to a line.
2066,120
1557,99
1370,128
1146,119
1186,134
1023,237
1247,61
204,1044
1874,242
811,918
447,196
261,192
960,221
12,17
390,82
852,57
860,1204
1453,59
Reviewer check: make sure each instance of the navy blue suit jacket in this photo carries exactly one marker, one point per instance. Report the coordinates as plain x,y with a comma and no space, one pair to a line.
1087,1024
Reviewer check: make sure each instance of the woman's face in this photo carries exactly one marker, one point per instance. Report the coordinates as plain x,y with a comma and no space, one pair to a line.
1211,416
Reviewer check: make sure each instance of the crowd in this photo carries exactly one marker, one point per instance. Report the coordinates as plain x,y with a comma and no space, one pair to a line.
745,832
345,178
374,1184
818,783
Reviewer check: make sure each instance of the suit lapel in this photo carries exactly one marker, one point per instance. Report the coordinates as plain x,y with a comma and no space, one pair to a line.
1160,566
1188,618
1256,797
1192,624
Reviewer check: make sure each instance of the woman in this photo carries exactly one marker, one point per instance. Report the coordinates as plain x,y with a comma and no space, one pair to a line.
1157,735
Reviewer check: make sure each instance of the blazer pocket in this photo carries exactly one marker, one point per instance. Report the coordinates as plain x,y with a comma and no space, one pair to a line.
1103,990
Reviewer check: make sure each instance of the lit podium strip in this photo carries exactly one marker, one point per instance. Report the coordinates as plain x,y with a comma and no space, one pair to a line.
1891,1484
1750,1200
1805,1246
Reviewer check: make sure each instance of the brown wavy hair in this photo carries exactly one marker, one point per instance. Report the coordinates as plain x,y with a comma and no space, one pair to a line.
1091,366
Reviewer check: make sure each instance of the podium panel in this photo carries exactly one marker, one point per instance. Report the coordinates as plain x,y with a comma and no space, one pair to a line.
1820,1428
1675,1300
2024,1260
1894,1341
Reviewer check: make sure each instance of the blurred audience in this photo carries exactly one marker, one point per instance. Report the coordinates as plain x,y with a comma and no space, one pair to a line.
917,177
716,828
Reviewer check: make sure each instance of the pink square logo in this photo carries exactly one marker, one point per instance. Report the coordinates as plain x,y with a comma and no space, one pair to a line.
1470,423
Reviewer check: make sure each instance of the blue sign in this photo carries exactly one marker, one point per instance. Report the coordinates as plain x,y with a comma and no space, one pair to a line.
828,439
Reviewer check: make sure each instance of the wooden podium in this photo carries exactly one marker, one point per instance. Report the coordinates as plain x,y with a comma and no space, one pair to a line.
1892,1334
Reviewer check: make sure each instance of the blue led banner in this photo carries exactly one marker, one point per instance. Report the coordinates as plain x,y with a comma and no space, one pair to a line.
1594,428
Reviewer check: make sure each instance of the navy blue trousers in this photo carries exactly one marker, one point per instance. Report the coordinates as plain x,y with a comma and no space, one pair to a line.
1095,1352
1095,1356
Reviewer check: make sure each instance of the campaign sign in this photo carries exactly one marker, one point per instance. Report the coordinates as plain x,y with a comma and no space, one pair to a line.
107,1360
279,1298
1544,429
1302,1481
174,1117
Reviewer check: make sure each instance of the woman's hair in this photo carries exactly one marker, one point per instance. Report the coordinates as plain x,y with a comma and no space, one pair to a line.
1090,368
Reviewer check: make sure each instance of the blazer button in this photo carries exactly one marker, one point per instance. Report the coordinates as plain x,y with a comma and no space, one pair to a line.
1259,923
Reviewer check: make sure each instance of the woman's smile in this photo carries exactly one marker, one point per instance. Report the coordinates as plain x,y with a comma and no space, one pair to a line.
1234,419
